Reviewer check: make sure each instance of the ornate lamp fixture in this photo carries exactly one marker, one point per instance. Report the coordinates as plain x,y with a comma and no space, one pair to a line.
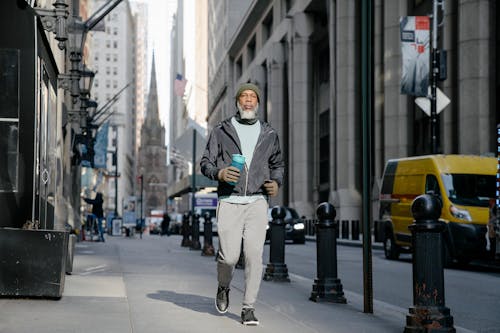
54,20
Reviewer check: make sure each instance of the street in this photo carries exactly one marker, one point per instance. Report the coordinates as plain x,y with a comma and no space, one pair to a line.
472,293
128,284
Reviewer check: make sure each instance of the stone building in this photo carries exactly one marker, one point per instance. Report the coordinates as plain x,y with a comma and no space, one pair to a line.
305,56
152,154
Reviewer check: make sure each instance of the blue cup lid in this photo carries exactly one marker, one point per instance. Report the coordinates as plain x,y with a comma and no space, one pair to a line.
239,158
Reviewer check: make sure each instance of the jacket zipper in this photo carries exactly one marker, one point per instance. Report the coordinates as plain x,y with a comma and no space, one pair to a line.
246,179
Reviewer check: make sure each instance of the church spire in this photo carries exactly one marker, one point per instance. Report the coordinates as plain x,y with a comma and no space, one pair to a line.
152,131
152,114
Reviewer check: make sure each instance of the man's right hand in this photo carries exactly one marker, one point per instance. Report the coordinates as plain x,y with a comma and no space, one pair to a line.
229,174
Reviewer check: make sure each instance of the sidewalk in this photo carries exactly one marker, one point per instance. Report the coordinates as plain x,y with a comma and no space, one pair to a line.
155,285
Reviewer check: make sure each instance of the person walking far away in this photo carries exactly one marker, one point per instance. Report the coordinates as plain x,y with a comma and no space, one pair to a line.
97,212
165,224
243,193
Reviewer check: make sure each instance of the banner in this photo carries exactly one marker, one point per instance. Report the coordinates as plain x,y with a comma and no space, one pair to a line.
179,85
415,46
101,146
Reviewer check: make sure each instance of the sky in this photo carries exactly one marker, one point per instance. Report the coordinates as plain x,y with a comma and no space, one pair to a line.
159,25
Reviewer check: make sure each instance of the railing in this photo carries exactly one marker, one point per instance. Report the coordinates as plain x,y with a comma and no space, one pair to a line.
348,229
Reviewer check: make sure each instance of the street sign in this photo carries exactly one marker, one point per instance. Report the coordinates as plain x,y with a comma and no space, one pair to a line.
424,103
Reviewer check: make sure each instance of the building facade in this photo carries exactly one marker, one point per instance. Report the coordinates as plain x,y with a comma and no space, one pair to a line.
305,56
112,57
152,157
141,82
188,108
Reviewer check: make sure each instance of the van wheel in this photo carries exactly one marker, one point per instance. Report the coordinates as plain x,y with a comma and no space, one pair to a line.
391,249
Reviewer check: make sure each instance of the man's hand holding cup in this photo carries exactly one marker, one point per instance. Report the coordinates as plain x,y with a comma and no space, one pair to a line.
230,174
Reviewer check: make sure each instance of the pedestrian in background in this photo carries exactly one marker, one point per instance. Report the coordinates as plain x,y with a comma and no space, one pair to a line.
97,212
165,224
243,195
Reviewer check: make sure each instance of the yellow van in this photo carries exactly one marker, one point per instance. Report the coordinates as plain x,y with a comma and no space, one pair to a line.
464,183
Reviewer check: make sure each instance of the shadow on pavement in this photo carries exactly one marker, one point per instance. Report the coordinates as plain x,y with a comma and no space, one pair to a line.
193,302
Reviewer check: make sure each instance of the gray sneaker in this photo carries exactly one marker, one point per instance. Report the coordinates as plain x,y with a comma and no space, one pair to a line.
248,317
222,299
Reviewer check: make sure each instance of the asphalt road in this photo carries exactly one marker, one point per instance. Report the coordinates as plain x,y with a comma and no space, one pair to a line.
472,293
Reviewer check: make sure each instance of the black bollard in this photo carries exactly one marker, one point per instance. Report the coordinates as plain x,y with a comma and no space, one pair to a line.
429,313
345,229
276,269
241,260
186,242
195,229
355,229
327,287
208,248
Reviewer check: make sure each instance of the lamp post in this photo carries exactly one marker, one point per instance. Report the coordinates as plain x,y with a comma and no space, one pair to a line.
116,175
141,177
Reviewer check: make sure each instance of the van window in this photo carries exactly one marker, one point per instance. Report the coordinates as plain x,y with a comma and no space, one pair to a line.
388,179
432,185
469,190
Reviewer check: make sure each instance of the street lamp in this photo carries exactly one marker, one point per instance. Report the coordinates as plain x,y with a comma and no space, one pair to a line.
54,20
91,112
76,39
86,80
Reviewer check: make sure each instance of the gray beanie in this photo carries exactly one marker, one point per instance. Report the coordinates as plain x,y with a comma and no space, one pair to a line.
248,86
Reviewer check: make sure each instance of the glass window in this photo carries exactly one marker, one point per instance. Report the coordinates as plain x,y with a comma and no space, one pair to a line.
9,119
469,190
432,185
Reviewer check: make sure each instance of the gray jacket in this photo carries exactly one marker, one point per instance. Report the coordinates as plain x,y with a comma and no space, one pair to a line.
267,162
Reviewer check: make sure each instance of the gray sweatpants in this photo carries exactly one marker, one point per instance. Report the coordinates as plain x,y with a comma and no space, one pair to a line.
237,222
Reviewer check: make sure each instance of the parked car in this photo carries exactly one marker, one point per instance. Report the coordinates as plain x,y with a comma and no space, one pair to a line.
294,227
154,228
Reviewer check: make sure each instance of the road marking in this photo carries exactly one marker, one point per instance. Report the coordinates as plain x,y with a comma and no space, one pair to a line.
94,269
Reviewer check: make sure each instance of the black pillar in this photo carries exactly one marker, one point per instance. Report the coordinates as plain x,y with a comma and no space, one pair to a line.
429,313
276,268
327,287
195,228
186,242
208,248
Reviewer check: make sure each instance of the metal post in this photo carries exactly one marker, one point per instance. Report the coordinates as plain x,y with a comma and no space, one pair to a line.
193,175
241,260
208,248
366,107
195,239
142,204
276,268
429,312
434,79
327,287
116,173
185,230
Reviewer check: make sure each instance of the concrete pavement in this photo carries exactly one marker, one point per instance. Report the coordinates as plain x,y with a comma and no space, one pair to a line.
155,285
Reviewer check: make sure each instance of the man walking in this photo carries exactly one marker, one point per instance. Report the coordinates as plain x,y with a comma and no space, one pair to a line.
243,195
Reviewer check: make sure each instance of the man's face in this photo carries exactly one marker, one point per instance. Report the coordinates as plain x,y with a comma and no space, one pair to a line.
248,103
